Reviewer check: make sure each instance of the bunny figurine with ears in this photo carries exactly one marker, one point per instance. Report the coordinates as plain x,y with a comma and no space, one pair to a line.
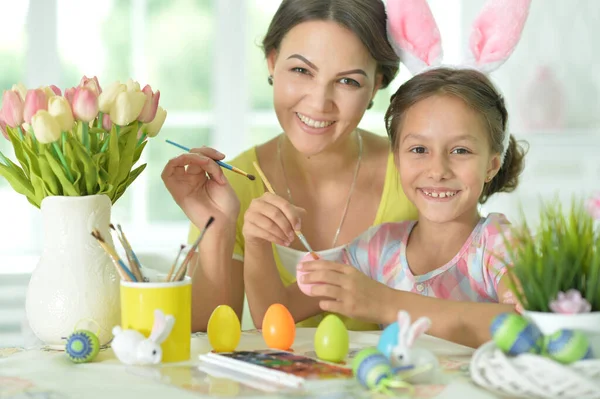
405,354
414,35
133,348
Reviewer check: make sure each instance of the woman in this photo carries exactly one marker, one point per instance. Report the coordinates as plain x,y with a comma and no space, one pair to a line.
327,59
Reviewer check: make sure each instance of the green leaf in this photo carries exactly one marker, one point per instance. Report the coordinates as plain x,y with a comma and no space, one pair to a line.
130,179
74,167
48,178
69,188
113,156
127,150
20,184
17,145
138,152
90,171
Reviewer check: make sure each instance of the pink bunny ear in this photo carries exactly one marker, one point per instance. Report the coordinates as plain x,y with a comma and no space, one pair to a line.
162,326
420,326
496,32
414,34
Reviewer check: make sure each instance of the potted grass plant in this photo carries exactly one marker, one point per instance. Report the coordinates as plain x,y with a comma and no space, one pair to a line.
75,154
554,272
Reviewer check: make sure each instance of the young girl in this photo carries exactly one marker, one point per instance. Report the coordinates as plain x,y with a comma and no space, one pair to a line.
448,131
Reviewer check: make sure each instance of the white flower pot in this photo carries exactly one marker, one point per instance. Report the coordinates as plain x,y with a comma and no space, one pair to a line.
588,323
74,280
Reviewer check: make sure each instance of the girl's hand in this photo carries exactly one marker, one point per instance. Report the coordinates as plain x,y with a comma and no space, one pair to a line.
271,219
347,291
198,185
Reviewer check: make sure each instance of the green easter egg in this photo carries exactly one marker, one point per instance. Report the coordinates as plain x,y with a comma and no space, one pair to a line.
82,346
514,335
568,346
331,339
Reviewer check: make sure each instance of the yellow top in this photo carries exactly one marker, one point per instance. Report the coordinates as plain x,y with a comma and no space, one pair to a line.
393,207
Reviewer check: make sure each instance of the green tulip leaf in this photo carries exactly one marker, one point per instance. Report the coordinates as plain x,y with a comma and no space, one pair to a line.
68,187
17,182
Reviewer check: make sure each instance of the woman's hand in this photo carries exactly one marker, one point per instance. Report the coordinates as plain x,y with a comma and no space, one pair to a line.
347,291
271,219
198,185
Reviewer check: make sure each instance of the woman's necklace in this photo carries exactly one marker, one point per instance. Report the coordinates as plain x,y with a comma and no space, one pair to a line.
289,192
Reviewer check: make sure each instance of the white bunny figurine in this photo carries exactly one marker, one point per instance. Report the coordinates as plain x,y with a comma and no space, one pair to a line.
404,354
133,348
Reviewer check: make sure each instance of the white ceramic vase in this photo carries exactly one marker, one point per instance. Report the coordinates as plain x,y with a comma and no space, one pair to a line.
74,281
588,323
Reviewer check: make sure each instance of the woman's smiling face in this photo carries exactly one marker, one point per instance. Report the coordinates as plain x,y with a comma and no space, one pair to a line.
323,80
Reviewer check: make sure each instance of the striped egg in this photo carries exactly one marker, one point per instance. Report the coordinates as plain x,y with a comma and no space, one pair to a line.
568,346
371,367
514,335
82,346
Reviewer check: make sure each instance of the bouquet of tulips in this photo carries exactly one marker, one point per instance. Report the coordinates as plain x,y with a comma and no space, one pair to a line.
83,142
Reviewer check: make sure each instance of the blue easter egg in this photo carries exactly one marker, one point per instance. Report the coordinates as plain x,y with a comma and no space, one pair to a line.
388,339
568,346
514,335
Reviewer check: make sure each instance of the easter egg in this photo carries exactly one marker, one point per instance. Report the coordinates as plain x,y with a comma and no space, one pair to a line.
514,335
305,288
278,327
82,346
224,330
331,339
388,339
370,367
568,346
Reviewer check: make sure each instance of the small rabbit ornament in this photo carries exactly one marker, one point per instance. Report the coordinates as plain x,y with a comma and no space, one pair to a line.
133,348
404,354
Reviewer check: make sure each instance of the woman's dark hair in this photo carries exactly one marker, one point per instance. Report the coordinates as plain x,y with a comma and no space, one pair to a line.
477,92
366,18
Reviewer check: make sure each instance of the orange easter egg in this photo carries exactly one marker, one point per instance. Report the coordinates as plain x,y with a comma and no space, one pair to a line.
278,327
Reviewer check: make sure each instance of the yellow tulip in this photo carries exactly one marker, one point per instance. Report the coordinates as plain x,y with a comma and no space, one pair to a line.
45,127
127,107
60,109
108,96
151,129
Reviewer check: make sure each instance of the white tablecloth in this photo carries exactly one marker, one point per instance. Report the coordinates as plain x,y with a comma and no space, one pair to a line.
48,374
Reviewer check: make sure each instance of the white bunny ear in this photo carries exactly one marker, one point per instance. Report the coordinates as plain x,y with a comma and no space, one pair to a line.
496,32
420,326
162,327
414,34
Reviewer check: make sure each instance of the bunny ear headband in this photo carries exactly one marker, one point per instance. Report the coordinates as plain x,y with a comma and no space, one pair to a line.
414,35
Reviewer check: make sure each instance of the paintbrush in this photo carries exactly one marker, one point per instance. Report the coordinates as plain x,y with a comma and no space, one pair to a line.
298,232
184,265
174,263
134,263
220,163
124,272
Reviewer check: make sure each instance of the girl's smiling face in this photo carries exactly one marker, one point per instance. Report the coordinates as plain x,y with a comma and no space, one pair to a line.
323,80
444,158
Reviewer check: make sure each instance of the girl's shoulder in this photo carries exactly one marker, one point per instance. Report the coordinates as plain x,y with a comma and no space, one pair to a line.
495,226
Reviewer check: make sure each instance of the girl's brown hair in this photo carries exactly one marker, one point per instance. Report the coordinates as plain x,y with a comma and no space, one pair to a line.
476,90
366,18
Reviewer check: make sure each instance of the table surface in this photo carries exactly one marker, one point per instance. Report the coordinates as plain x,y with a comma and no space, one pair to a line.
42,373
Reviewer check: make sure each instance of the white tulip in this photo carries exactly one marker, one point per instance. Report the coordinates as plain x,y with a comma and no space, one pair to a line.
108,96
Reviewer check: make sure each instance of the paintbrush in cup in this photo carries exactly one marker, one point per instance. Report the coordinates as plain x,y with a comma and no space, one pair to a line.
220,163
172,270
184,265
298,232
131,257
122,269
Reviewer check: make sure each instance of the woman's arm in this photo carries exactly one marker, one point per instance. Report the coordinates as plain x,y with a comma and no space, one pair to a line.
217,278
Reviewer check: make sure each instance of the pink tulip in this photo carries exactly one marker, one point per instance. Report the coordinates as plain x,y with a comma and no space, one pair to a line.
106,122
92,83
12,108
150,106
593,206
3,127
56,90
34,101
69,94
85,104
570,302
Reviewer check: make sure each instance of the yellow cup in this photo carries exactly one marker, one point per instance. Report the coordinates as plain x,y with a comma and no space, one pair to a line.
138,302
